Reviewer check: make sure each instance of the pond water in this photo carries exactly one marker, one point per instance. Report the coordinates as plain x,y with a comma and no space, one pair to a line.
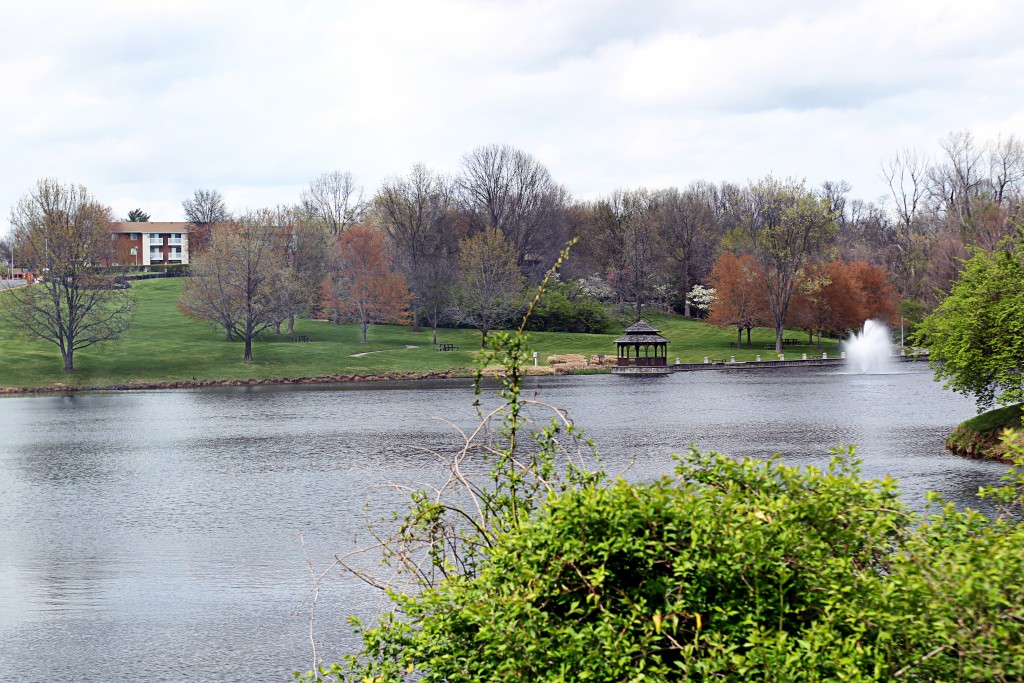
156,535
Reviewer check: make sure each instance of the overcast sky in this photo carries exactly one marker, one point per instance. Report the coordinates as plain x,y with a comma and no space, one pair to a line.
145,101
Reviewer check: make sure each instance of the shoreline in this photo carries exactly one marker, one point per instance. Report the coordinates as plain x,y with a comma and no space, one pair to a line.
251,382
454,373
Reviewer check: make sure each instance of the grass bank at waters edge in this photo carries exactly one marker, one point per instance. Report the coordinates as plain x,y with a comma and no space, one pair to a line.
979,436
163,346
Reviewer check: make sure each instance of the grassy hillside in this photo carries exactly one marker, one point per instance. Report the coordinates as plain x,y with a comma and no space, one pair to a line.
165,346
979,437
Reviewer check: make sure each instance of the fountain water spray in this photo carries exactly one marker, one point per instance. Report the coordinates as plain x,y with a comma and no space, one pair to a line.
870,352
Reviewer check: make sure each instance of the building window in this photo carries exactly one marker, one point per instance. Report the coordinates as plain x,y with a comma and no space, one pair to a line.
134,236
175,238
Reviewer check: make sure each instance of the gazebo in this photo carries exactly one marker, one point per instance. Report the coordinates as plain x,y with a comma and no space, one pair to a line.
641,350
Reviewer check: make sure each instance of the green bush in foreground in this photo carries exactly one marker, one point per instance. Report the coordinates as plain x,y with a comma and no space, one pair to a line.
726,571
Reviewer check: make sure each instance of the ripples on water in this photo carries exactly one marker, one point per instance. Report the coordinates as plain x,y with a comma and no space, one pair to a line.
156,535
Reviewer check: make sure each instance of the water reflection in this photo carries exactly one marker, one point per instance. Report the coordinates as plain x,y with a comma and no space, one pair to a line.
159,531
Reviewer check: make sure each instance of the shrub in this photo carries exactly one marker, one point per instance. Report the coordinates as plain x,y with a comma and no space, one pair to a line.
564,308
727,570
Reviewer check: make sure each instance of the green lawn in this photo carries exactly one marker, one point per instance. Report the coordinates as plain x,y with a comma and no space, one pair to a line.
163,345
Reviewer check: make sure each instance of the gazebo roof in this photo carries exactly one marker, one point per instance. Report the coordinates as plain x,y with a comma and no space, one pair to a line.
641,332
642,327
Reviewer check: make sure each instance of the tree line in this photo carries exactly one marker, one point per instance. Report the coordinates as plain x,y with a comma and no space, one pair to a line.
434,249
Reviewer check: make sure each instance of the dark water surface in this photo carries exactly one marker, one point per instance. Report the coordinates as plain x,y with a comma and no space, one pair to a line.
155,535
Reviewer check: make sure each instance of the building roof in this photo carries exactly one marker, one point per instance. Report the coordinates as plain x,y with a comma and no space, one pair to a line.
151,226
641,332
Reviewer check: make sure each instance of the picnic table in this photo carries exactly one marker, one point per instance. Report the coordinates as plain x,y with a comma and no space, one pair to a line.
445,347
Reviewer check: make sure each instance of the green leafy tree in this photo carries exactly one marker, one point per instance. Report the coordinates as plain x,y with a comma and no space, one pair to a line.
490,287
138,216
62,234
976,335
565,307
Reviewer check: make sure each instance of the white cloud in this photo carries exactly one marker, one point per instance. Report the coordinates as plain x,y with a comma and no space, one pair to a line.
145,102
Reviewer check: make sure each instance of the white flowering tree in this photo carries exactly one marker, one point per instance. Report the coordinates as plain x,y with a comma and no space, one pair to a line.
701,298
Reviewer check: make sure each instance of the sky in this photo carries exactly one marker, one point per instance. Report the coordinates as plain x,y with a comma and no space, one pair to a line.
145,101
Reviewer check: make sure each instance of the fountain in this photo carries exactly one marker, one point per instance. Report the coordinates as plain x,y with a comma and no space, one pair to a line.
870,352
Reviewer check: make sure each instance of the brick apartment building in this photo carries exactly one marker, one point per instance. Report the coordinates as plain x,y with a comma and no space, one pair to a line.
152,243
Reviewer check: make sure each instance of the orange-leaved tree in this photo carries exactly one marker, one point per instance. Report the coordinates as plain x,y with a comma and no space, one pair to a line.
739,298
880,300
362,288
841,295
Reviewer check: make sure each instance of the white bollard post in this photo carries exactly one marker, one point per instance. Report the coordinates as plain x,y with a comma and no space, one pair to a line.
535,359
705,359
805,356
732,359
758,358
824,355
678,361
842,354
782,356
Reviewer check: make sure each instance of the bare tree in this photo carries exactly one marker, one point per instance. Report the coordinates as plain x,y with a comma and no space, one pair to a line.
62,234
418,214
205,209
907,175
7,255
626,224
689,233
1006,168
235,281
335,199
960,179
509,190
306,242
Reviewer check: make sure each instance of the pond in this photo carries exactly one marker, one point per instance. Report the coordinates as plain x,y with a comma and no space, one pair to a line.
156,535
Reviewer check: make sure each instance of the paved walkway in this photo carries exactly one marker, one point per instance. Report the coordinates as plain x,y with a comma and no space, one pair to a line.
367,353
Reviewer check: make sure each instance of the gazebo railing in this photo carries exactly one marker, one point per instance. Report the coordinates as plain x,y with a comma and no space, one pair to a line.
650,362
